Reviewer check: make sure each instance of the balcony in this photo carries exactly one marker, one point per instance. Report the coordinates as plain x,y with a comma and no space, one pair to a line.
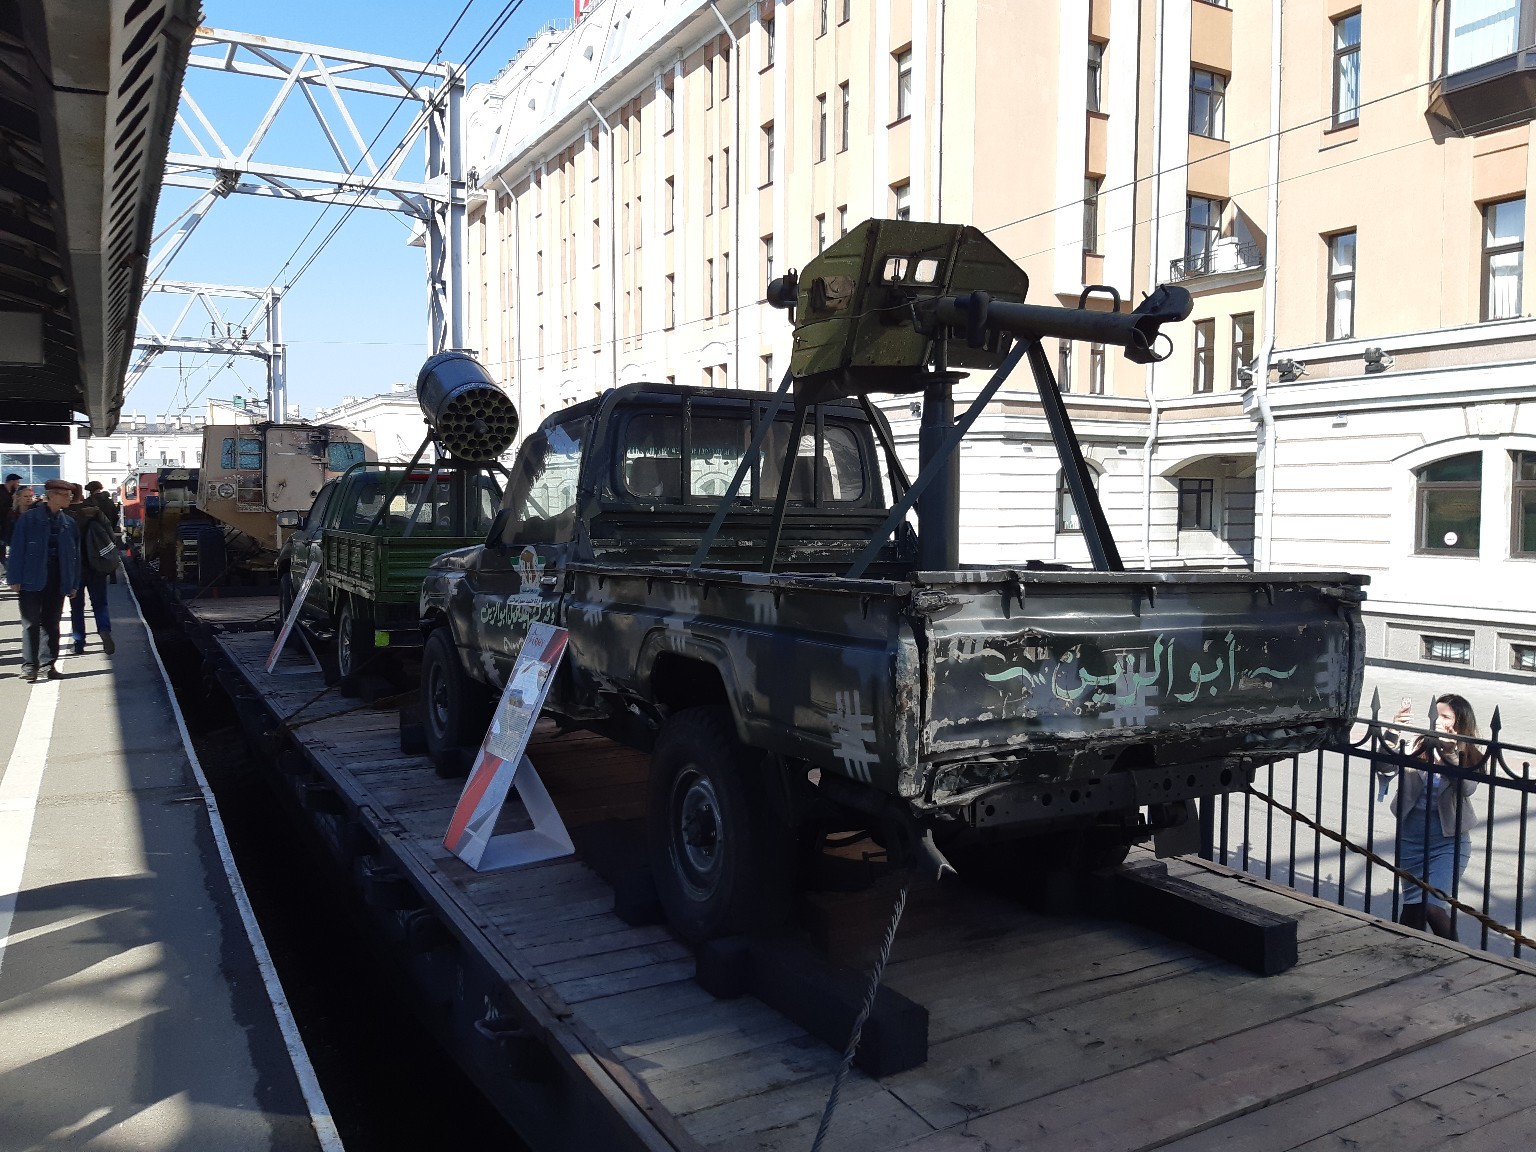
1488,96
1225,257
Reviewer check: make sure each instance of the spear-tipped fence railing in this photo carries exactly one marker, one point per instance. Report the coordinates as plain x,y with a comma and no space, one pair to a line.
1321,823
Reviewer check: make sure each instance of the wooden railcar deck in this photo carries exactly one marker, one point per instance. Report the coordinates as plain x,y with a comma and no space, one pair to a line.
1045,1032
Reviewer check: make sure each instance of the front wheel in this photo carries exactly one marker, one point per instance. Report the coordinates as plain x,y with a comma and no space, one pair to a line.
284,596
456,709
721,858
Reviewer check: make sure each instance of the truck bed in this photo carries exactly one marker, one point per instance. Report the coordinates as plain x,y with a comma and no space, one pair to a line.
385,569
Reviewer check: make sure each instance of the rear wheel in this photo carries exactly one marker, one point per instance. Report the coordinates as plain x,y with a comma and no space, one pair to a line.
456,709
354,638
721,857
284,596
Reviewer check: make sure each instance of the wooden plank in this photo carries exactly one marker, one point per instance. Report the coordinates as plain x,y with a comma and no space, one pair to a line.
614,960
745,1074
595,944
613,983
1328,1115
1159,1099
868,1119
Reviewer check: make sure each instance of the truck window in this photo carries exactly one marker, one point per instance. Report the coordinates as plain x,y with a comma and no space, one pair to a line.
541,498
651,464
316,514
836,476
341,456
715,453
244,453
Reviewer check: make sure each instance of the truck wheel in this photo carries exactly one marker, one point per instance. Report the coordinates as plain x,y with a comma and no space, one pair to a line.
284,596
722,861
456,710
354,639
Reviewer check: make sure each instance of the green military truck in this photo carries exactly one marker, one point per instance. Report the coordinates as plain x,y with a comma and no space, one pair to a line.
375,532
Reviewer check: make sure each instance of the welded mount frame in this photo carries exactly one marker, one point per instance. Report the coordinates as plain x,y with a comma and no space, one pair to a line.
318,75
257,332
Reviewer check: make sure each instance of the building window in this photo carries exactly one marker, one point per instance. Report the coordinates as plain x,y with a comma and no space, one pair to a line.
1524,539
597,327
709,185
597,237
1503,258
1091,186
769,383
823,25
1197,499
725,71
1447,649
1207,100
112,456
768,42
1346,69
821,233
709,289
846,124
1205,355
1095,76
671,203
1096,369
34,468
1242,346
1200,237
821,127
767,263
639,316
671,317
725,281
902,195
725,177
842,220
1522,657
1064,365
1479,31
1341,286
1450,496
767,154
903,83
1066,508
668,106
639,224
847,12
709,83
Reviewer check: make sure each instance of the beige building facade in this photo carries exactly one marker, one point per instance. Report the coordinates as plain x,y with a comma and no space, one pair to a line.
642,175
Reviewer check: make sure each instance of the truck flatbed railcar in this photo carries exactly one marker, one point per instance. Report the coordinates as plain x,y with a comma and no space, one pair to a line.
1044,1032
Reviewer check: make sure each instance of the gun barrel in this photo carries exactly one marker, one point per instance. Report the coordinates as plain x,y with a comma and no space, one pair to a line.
1135,331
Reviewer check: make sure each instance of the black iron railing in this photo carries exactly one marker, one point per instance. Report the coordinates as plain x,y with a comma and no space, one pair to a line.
1322,824
1216,259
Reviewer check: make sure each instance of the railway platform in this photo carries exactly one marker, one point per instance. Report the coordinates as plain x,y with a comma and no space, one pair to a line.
138,1007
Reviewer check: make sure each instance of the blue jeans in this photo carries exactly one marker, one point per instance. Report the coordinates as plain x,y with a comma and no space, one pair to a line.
94,583
40,625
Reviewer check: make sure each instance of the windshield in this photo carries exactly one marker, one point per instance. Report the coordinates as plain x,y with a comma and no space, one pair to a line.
425,502
541,499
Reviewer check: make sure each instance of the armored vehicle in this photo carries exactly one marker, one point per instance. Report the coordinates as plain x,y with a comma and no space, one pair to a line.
747,598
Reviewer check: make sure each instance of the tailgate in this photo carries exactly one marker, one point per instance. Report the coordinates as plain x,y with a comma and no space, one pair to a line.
1210,663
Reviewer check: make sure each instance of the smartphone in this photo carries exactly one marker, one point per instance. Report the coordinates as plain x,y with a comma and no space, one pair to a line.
1406,704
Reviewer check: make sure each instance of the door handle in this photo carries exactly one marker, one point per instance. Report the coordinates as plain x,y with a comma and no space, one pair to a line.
548,581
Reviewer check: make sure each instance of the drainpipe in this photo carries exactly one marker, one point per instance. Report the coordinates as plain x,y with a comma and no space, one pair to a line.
1266,500
613,240
1155,254
939,127
516,365
736,69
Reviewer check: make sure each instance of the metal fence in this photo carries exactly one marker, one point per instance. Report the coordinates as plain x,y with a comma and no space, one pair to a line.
1322,823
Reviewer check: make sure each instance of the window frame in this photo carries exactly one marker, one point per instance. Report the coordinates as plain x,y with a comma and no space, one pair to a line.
846,127
821,127
1491,251
1340,53
901,200
1203,488
1335,279
1215,103
1242,346
1064,365
767,138
1098,360
1520,487
1198,262
1092,187
903,61
770,41
1096,76
1072,526
766,241
1205,356
1423,489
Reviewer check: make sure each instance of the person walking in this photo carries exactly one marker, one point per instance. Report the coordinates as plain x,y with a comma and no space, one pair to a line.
7,497
1434,821
112,515
42,568
99,558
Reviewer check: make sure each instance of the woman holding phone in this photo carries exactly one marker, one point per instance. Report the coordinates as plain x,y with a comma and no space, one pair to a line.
1434,821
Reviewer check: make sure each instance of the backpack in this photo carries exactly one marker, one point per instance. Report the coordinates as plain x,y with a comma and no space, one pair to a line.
98,549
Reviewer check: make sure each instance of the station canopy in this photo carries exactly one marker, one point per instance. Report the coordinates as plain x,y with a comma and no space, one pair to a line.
88,95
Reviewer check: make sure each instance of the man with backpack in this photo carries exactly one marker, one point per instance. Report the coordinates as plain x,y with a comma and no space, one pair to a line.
99,558
43,568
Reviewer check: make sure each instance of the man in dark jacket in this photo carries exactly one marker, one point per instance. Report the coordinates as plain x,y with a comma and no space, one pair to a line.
99,496
7,495
43,567
98,560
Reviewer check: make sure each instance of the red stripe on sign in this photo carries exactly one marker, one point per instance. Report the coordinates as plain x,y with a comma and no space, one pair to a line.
474,792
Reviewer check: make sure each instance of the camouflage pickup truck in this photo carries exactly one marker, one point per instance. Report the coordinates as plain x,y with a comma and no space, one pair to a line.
747,600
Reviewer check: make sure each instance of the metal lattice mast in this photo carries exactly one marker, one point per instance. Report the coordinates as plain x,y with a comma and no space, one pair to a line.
207,325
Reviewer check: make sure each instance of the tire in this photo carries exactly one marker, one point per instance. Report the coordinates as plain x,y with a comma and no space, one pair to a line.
284,596
456,709
721,858
354,639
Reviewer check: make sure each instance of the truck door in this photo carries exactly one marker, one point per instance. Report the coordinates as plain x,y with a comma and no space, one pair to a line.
521,575
306,545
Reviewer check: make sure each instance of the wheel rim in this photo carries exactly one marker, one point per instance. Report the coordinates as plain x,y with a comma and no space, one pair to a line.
437,699
698,834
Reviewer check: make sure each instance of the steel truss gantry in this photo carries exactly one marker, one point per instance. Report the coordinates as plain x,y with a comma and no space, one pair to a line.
326,79
207,325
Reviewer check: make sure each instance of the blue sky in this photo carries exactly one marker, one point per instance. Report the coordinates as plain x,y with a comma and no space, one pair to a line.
356,319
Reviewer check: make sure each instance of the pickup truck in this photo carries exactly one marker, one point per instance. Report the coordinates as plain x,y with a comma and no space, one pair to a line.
375,530
977,706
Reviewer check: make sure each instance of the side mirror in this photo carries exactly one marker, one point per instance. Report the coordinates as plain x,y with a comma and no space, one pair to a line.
290,520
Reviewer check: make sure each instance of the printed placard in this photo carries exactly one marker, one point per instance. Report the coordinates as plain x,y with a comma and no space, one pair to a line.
293,615
503,764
